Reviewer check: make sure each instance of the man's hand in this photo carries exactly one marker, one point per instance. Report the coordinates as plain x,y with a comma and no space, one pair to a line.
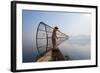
57,37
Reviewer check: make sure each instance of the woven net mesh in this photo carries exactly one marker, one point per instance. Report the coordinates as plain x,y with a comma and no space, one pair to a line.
44,37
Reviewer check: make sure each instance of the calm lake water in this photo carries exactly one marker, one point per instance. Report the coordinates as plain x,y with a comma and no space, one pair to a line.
76,48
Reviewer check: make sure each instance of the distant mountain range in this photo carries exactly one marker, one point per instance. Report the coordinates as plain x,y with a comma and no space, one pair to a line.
80,37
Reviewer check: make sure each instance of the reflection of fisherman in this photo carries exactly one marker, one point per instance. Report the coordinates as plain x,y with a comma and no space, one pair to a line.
54,37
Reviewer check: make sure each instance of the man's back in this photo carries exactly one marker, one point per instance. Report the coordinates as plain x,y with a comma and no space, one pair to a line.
54,34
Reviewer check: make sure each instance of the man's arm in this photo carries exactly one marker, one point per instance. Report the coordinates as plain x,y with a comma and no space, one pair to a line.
56,37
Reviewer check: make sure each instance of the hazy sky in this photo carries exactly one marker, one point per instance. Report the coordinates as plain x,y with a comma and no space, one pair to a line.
68,23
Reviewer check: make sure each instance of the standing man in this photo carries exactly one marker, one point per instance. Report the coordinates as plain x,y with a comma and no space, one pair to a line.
54,37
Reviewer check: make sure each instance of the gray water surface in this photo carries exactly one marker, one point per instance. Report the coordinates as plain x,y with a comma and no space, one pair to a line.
77,48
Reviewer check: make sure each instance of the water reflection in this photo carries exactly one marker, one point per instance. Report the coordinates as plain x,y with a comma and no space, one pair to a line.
77,48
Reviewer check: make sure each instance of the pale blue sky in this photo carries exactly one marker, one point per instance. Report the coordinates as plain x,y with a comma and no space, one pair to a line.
68,23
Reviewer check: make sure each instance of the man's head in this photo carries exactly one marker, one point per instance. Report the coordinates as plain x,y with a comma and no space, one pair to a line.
56,27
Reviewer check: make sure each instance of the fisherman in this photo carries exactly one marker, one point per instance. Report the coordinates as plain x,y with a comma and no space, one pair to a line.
54,37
